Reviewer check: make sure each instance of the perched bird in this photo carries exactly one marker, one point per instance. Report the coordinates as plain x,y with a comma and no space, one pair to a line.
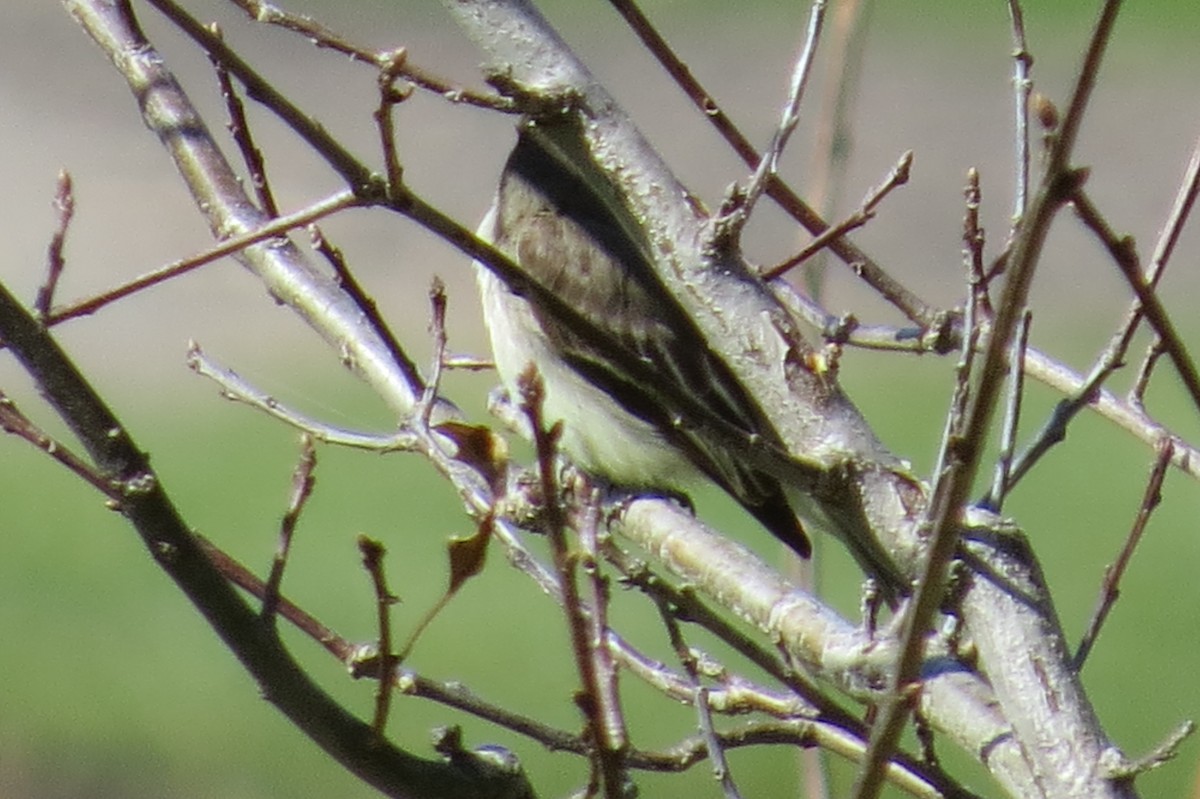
627,372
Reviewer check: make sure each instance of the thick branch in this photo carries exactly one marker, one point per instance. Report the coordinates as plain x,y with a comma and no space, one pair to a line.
168,539
865,494
287,274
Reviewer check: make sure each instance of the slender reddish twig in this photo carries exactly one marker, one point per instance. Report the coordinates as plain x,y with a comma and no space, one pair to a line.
864,266
277,227
239,128
372,552
323,37
1123,254
953,484
1110,590
303,481
608,763
898,176
64,208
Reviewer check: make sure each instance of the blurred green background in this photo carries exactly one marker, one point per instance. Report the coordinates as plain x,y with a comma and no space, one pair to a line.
111,686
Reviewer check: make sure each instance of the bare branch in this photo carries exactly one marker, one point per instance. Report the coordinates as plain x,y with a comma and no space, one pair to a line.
864,266
323,37
64,207
950,493
303,482
1110,590
898,176
234,387
372,557
145,503
1022,86
239,128
1124,255
688,658
768,165
1012,417
231,246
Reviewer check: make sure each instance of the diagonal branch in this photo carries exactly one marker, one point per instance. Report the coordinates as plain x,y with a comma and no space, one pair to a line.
889,288
1125,257
217,191
145,503
946,510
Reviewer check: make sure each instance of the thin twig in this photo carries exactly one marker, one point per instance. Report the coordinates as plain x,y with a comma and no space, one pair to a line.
976,311
1012,417
1110,590
15,422
323,208
239,128
833,136
865,267
323,37
608,764
372,552
1137,394
1161,754
64,210
1121,249
1022,86
768,165
974,240
1181,210
688,659
303,481
349,283
898,176
390,66
437,328
953,484
614,730
234,387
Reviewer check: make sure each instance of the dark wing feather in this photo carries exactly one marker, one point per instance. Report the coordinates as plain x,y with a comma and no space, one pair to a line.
584,248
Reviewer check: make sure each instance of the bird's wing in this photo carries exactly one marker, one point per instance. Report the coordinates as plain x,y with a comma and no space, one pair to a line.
569,232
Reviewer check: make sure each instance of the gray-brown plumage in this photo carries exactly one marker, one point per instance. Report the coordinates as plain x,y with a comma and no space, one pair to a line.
637,390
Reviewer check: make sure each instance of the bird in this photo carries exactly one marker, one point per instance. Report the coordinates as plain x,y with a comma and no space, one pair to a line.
642,400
